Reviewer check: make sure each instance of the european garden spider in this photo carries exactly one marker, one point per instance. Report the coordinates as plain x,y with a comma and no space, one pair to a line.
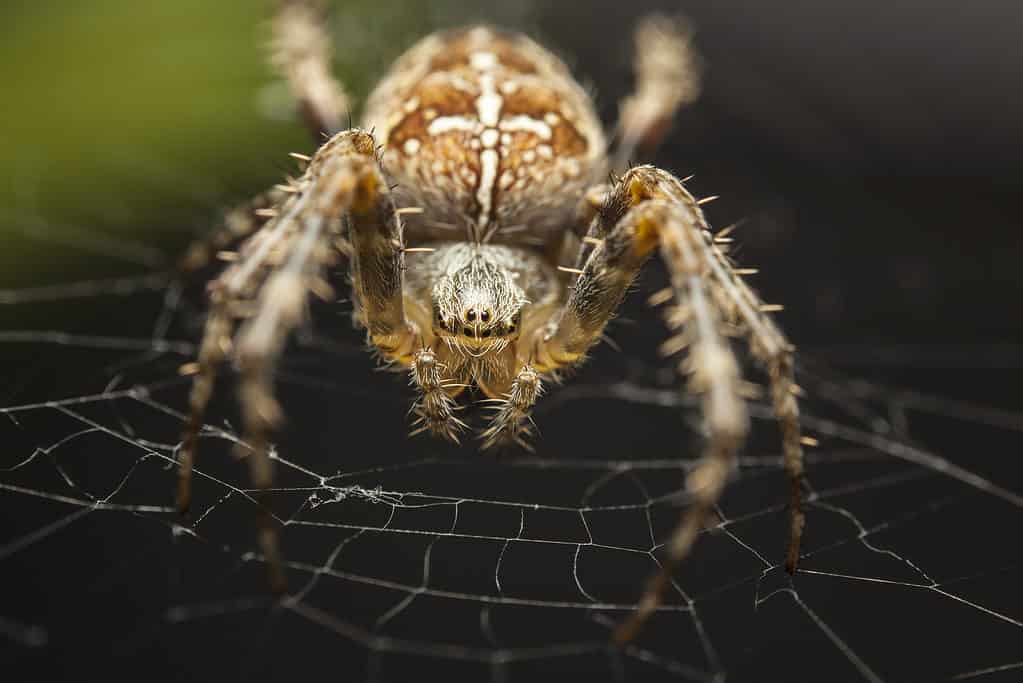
481,150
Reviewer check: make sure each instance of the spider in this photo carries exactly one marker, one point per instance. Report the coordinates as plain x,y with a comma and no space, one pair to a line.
480,149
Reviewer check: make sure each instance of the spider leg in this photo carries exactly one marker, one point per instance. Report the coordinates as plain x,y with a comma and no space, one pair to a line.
713,375
268,284
650,209
511,421
435,408
608,262
230,299
301,52
212,350
667,78
740,306
239,222
768,345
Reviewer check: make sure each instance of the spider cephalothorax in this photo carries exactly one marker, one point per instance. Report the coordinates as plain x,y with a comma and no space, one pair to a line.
484,250
478,294
477,298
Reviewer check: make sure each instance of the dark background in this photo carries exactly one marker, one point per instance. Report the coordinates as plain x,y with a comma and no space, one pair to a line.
871,148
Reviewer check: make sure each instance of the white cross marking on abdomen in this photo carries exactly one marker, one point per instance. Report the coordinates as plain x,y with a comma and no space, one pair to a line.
488,108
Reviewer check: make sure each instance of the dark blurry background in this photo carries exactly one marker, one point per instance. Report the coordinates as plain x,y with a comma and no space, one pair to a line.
872,150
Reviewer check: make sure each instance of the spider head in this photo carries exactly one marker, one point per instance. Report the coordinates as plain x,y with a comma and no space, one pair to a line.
478,306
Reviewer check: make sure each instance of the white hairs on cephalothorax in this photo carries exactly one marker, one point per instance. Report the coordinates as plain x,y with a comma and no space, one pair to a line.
476,293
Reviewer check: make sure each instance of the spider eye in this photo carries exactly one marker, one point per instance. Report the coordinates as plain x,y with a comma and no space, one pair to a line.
470,315
467,331
485,315
486,333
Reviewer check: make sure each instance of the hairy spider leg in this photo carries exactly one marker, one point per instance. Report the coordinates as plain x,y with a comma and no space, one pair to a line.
239,222
647,209
301,52
268,284
668,77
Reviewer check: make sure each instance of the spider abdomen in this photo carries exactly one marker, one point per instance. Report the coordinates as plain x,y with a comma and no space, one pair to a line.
486,130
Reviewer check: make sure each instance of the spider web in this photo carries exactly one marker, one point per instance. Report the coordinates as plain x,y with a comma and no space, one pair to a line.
410,559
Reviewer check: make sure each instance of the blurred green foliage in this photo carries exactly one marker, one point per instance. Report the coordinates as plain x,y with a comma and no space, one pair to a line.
125,118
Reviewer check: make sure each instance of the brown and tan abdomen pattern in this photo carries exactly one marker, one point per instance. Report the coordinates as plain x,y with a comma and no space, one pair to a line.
487,129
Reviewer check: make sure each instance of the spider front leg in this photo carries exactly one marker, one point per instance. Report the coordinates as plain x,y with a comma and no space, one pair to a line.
267,286
649,209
